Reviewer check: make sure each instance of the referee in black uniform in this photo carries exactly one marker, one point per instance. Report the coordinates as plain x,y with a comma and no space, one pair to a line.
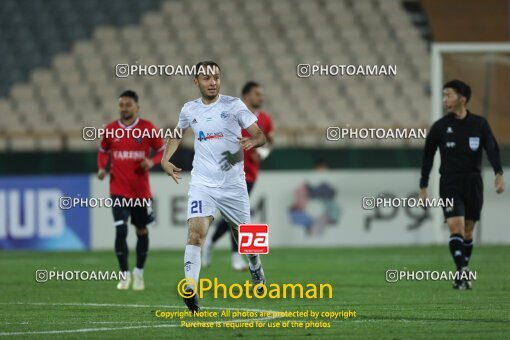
460,136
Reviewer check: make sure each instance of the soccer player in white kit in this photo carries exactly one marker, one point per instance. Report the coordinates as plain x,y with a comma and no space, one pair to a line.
217,178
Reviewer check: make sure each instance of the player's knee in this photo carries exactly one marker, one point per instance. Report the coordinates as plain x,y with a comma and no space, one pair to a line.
456,230
142,231
468,232
121,232
470,226
456,226
468,235
195,238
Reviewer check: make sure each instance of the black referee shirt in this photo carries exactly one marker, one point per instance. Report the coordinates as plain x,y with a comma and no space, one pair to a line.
460,143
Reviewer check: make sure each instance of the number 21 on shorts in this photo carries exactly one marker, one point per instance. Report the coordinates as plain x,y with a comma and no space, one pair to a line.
196,207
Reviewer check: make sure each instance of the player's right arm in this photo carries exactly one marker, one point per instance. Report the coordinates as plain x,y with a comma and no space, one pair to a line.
171,146
431,144
263,152
492,149
102,157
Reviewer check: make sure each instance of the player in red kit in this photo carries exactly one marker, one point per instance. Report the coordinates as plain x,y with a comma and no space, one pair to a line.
128,142
253,97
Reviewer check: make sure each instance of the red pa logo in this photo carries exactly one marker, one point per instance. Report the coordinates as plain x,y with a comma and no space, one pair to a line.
253,239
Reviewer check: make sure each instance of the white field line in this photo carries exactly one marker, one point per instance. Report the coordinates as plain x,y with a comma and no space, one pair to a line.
106,329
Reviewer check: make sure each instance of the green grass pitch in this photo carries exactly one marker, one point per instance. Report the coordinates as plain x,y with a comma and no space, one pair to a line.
403,310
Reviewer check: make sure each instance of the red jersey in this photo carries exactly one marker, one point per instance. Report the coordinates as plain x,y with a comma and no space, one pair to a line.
127,178
251,161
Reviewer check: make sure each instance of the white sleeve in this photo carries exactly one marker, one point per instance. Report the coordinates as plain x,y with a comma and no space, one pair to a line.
183,119
245,117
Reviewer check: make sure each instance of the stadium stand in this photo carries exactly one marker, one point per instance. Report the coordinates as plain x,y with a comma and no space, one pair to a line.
70,55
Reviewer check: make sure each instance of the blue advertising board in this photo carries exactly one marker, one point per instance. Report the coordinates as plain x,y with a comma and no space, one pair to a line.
31,217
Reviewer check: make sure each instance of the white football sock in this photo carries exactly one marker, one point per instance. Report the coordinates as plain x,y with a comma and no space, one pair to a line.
192,263
254,261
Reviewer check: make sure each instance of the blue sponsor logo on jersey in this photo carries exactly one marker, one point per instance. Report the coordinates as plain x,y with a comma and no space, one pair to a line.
201,136
210,135
225,115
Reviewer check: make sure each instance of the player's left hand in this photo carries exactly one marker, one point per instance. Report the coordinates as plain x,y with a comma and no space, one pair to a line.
499,184
146,164
171,170
255,156
101,174
423,196
246,143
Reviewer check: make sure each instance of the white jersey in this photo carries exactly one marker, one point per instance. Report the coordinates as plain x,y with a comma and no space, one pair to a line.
217,127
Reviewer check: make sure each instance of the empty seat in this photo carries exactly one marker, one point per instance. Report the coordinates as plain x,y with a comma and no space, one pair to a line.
251,40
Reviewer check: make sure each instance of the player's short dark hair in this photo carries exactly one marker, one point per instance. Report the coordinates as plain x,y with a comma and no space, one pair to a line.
460,87
204,64
131,94
248,86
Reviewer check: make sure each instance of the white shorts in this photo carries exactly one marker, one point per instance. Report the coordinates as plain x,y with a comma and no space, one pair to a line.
232,201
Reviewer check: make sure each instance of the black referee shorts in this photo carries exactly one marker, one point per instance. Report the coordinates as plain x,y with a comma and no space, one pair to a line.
466,190
140,216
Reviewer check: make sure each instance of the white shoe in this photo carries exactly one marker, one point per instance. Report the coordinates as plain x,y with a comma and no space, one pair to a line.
124,284
207,253
238,263
138,283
